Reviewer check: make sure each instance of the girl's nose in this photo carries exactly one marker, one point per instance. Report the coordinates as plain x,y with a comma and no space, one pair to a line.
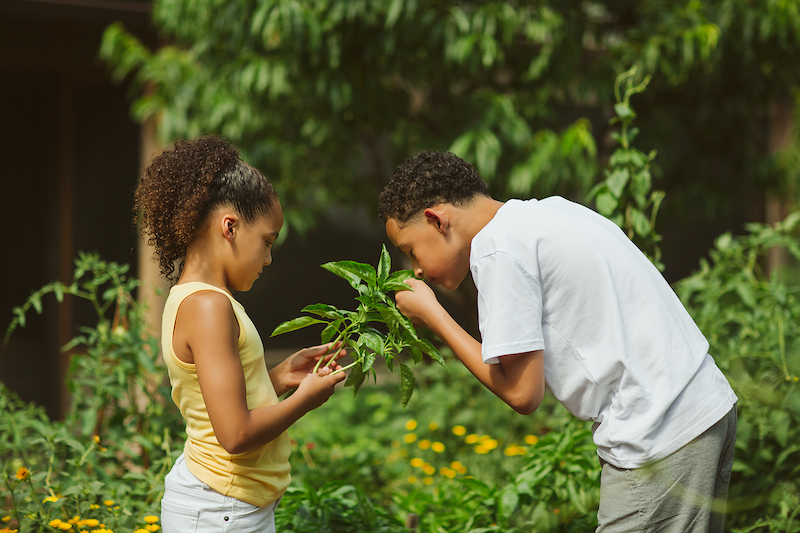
418,272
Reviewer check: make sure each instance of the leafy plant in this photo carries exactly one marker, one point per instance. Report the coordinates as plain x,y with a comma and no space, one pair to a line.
117,387
49,476
353,329
751,318
335,507
625,196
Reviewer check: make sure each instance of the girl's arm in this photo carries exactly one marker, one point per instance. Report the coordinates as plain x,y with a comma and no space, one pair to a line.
207,332
518,379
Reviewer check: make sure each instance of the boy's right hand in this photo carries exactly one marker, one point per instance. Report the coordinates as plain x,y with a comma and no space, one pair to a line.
316,388
418,304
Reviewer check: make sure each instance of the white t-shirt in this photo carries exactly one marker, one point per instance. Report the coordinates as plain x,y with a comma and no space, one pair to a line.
619,347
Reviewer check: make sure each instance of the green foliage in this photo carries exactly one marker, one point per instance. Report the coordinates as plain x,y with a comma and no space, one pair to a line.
49,473
751,317
625,196
116,385
352,328
334,507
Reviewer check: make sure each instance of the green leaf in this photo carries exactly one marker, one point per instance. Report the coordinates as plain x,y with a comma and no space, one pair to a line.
371,340
353,272
606,203
324,310
641,224
624,111
617,180
407,381
395,286
297,323
384,266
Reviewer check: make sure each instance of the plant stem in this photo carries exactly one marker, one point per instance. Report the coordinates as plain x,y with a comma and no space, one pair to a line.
354,363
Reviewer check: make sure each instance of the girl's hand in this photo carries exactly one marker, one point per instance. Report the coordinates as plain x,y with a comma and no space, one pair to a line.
419,304
316,388
288,375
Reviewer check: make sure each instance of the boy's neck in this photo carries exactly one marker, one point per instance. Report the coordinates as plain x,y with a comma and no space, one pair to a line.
473,217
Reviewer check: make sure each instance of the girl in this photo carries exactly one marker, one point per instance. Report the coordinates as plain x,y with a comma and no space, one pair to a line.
202,205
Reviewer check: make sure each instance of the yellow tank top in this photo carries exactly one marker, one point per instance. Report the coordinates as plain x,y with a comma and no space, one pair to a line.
259,476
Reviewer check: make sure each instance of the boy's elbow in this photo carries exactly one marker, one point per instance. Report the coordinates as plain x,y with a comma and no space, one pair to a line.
525,403
525,407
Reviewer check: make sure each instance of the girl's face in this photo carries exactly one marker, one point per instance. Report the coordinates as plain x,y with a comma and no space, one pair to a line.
252,248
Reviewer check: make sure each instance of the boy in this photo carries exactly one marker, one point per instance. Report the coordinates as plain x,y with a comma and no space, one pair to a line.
566,299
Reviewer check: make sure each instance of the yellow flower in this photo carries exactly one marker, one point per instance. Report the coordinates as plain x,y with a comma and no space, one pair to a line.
455,465
91,522
151,519
459,430
94,506
429,469
97,439
55,523
433,426
471,439
108,503
23,474
489,443
417,462
424,444
531,439
6,519
65,526
438,447
515,450
411,425
480,448
409,438
140,530
428,480
74,519
51,499
448,472
8,530
152,527
412,479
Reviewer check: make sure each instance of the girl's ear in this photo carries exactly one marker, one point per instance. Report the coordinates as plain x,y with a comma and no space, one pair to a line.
437,217
229,225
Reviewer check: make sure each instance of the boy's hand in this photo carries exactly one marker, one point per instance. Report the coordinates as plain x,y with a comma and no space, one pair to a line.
419,304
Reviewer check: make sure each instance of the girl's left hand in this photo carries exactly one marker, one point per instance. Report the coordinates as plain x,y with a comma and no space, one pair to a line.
293,369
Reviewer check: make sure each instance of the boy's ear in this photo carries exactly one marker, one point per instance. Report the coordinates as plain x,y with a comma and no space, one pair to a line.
437,217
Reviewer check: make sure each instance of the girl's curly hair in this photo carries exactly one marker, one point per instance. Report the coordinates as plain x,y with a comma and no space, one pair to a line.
182,185
427,179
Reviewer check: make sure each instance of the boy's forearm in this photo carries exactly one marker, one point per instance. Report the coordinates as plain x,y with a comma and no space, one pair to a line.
521,385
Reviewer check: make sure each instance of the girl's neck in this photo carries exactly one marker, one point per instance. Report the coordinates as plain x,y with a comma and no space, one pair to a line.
200,265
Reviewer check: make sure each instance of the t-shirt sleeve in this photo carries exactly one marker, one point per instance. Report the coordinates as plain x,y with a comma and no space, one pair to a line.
509,306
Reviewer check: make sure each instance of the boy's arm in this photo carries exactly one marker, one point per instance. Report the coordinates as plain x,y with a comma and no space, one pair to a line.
517,379
210,331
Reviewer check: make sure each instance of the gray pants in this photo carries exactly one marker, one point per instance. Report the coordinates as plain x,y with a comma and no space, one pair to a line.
684,492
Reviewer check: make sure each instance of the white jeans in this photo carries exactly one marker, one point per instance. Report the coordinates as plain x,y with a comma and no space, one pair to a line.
191,506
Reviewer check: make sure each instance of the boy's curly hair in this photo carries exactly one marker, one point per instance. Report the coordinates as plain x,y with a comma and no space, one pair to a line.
181,185
427,179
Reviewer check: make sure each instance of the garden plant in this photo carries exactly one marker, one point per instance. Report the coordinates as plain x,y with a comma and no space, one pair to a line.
353,329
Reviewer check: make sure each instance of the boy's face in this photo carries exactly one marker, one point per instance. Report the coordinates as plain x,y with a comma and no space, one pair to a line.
434,250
